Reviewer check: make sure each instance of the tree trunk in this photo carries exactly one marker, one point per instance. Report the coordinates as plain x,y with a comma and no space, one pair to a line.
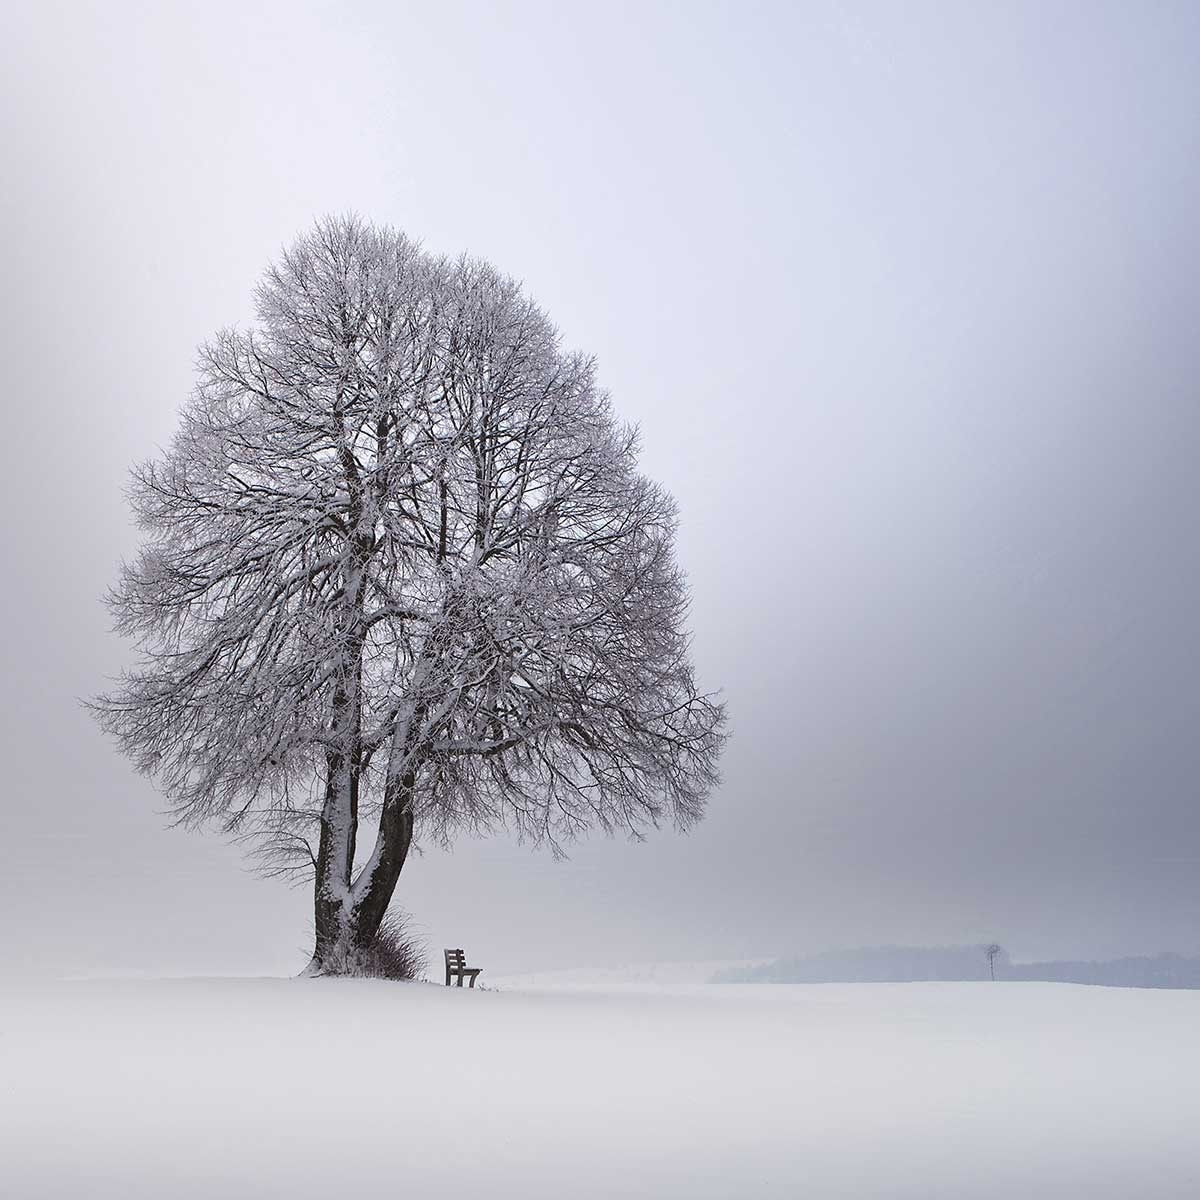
334,939
395,838
331,890
345,923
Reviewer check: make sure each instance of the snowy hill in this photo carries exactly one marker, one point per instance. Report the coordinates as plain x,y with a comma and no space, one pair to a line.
313,1088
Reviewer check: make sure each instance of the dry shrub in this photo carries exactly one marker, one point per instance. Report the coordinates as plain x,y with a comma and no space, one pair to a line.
395,952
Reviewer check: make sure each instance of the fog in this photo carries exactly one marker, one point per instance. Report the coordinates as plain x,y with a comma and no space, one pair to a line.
904,300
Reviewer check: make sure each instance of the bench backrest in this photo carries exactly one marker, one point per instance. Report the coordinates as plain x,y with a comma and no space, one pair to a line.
455,958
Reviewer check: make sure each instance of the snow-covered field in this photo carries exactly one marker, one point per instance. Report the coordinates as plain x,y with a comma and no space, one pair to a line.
318,1088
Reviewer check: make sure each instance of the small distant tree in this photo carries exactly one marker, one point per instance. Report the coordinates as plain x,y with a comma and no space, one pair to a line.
401,576
993,952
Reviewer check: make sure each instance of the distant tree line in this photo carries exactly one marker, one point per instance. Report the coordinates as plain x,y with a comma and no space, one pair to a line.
912,964
1160,971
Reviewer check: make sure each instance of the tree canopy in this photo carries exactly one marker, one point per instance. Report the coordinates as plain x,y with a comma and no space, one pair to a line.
400,574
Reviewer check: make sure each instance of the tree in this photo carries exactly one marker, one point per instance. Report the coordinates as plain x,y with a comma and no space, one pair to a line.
993,952
401,577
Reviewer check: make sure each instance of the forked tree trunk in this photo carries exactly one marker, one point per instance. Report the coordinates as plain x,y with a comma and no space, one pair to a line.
346,920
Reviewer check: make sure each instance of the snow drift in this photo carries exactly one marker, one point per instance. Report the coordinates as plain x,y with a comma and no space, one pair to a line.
312,1088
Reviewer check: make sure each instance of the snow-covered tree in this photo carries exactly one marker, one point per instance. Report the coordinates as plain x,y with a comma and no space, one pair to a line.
401,576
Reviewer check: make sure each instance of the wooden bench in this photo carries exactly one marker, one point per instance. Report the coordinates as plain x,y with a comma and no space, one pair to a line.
456,964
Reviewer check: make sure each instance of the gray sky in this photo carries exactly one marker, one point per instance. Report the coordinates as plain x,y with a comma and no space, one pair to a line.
904,298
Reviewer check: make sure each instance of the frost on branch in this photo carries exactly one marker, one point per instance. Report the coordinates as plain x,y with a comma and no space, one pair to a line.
401,575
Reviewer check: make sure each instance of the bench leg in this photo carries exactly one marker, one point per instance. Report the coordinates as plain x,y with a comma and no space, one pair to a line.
472,979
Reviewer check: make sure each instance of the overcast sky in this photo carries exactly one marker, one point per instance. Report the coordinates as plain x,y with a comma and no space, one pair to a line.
905,301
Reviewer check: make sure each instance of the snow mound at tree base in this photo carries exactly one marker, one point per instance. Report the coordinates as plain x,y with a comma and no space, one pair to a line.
312,1088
